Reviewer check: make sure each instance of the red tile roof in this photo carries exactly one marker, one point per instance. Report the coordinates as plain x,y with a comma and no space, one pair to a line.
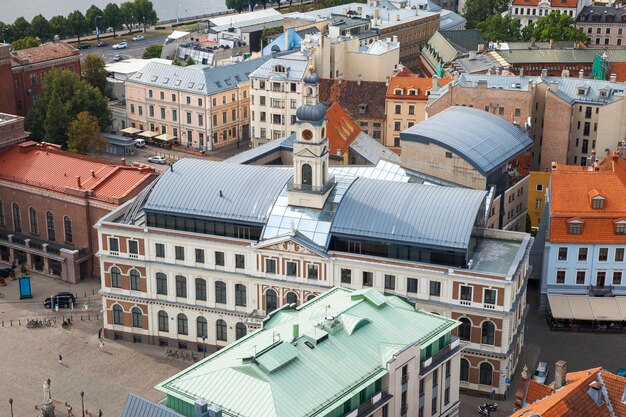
47,167
572,400
407,80
42,53
352,96
340,129
571,191
536,392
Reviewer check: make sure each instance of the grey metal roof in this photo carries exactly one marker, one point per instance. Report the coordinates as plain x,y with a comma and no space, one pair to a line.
450,20
193,188
139,407
567,89
411,213
372,150
588,13
197,79
295,64
483,139
265,149
501,82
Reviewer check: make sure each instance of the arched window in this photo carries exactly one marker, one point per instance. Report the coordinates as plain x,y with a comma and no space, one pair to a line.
161,283
52,236
488,333
310,297
164,325
240,295
116,277
67,227
464,370
465,329
182,324
221,330
135,280
271,300
137,317
486,373
202,327
307,174
309,91
240,330
118,314
292,298
220,292
200,289
181,286
1,213
17,218
34,226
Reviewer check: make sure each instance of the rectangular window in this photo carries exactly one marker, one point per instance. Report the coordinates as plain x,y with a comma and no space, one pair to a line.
199,256
411,285
466,293
575,228
189,118
582,254
411,109
368,279
162,112
132,109
160,250
398,109
292,269
390,282
617,277
619,254
560,277
396,126
240,261
346,276
219,258
435,288
200,120
489,297
312,271
114,244
174,115
180,253
562,254
151,111
603,254
580,277
620,229
270,266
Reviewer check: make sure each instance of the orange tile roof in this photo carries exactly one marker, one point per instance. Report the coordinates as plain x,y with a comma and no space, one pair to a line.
42,53
571,191
406,80
537,391
47,167
341,130
572,400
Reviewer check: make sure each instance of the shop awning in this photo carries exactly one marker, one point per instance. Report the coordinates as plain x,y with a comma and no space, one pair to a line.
130,130
582,307
165,137
148,134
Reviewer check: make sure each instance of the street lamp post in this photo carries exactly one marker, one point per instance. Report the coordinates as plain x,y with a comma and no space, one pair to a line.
11,404
82,401
97,31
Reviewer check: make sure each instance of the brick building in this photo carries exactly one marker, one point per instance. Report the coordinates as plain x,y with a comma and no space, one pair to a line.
11,130
21,91
49,200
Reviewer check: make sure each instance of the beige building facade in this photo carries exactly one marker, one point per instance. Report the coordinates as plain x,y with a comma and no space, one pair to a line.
603,25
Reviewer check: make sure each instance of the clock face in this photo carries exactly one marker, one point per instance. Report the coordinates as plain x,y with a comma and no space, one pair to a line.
307,134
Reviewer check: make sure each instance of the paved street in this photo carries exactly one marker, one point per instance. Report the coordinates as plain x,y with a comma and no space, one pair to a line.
135,48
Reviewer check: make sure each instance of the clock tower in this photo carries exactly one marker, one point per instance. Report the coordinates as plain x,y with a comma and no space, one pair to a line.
311,184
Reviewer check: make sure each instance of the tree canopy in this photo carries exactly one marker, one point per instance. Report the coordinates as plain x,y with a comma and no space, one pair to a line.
556,27
480,10
25,43
92,14
144,13
93,72
498,28
40,28
238,5
112,17
77,24
127,10
153,51
83,135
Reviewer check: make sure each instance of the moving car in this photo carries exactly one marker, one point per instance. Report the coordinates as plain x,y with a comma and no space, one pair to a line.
140,143
541,373
102,43
63,299
138,38
157,160
117,58
121,45
84,46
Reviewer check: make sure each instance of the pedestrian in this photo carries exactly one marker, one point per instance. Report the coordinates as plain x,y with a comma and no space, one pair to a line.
101,346
100,334
60,360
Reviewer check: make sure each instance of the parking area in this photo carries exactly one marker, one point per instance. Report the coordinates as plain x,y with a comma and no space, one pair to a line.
30,355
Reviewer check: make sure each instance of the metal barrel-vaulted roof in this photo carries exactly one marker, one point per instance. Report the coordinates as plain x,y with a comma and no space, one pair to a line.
218,190
411,213
482,139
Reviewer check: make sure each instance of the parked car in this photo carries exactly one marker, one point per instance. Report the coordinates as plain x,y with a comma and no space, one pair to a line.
140,143
121,45
84,46
138,38
541,373
5,272
102,43
62,299
117,58
157,160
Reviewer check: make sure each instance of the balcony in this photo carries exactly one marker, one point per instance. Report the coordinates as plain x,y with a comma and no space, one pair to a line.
370,406
452,348
312,189
601,291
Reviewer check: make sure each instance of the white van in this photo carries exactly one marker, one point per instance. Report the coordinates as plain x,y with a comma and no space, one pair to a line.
140,143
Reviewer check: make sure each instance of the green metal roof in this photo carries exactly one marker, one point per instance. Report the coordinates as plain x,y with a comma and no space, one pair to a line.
345,340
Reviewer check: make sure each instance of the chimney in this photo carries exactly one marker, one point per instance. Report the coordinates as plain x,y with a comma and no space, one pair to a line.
613,78
581,74
296,330
395,39
544,72
555,165
498,71
123,162
387,82
200,408
560,371
435,84
359,80
93,173
521,72
398,17
532,42
78,181
551,43
595,392
615,155
455,74
472,55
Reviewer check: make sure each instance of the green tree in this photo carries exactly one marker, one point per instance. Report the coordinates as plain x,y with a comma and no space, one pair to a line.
498,28
177,62
112,17
20,28
153,51
127,10
77,24
145,14
60,26
93,72
83,135
238,5
189,61
56,121
40,27
24,43
90,17
555,26
478,10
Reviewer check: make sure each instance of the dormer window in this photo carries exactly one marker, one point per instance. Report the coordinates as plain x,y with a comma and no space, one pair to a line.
597,202
620,227
279,68
574,227
582,91
604,92
362,108
397,91
413,92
